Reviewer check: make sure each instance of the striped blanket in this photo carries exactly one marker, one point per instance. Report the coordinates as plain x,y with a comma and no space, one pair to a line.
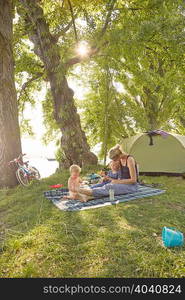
74,205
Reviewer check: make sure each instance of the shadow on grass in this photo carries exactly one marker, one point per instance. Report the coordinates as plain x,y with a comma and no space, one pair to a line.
23,208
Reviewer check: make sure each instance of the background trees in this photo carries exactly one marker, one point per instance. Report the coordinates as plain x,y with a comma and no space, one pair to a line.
146,57
153,67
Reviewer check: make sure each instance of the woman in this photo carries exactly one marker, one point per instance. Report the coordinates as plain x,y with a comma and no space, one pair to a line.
127,182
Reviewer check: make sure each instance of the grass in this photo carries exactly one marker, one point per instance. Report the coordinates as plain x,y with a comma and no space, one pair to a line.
39,240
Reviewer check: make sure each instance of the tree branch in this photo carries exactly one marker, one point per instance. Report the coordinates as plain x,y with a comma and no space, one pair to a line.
73,20
124,8
107,20
62,3
137,101
66,28
27,83
63,31
39,33
136,8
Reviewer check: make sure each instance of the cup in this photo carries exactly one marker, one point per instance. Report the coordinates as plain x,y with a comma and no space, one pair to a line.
111,195
172,237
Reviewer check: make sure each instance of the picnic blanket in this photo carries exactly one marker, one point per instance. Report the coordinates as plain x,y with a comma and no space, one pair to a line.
75,205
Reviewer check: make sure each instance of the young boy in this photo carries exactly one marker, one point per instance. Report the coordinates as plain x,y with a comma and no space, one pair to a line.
112,174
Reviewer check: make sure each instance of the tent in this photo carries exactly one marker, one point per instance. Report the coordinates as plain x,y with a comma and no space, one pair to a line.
157,154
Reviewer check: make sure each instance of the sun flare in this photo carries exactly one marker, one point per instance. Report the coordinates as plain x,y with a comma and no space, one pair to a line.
82,49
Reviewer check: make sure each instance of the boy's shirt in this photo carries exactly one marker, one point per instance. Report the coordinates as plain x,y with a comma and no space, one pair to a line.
117,175
112,175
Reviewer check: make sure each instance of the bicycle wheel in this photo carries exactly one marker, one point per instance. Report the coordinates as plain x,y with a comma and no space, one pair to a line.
20,174
36,173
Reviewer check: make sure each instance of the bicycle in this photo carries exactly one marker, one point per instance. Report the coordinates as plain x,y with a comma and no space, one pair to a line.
24,173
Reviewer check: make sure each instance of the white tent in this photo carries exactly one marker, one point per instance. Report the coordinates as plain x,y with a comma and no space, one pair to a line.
165,155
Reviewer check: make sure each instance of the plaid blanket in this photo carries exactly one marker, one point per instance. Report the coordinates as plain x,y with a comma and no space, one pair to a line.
74,205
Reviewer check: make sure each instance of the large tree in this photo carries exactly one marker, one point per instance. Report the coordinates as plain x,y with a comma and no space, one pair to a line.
146,55
51,48
10,145
150,63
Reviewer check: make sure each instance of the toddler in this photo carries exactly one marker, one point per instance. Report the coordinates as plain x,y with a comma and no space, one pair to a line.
74,182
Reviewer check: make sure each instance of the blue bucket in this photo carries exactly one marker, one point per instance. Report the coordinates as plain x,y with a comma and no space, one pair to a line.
172,237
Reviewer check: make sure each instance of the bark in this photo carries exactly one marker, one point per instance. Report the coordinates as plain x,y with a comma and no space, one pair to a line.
106,116
152,110
10,144
73,142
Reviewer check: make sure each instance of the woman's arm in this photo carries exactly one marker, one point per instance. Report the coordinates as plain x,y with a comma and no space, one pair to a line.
132,170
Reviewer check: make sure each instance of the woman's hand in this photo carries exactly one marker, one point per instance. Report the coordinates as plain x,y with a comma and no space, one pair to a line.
106,178
102,173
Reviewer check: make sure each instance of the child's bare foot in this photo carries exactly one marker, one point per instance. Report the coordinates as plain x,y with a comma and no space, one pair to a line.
82,198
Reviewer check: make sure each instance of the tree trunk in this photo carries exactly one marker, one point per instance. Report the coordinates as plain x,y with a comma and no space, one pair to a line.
10,144
152,110
73,142
106,115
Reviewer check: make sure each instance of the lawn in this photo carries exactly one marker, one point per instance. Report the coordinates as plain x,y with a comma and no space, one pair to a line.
39,240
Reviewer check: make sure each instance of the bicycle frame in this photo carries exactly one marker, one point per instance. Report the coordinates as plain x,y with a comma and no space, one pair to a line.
21,165
24,173
25,170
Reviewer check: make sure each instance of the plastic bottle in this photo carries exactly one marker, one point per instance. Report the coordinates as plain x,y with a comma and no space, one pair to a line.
111,194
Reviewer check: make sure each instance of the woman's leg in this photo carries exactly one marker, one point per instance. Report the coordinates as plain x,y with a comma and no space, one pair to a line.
119,189
87,192
99,184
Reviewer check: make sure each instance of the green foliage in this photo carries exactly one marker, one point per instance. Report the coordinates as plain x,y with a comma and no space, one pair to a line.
28,74
144,54
26,128
59,155
150,61
104,116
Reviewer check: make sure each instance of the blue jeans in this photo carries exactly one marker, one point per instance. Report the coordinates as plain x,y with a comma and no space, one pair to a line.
119,189
94,186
